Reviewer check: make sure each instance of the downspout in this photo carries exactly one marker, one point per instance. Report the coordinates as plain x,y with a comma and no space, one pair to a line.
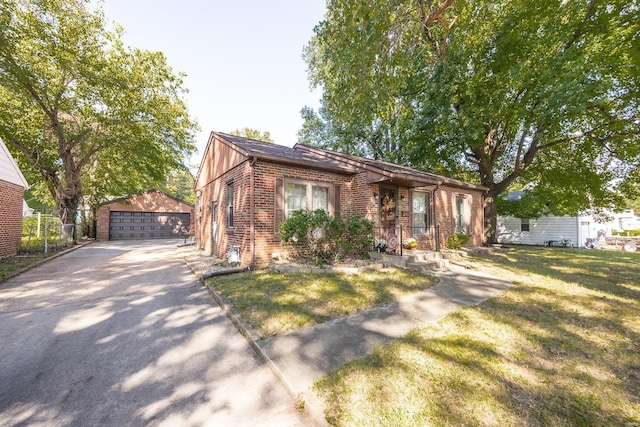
252,211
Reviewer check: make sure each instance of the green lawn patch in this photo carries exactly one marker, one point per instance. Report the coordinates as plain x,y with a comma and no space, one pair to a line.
13,264
276,303
561,347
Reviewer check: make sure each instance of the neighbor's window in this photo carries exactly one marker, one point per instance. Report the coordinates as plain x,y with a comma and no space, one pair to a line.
420,216
459,214
230,205
524,224
306,196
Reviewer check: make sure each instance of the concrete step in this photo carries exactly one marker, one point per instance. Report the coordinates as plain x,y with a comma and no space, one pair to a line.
426,266
422,256
419,261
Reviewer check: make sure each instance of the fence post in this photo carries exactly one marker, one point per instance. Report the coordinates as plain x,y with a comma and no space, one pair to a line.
29,238
38,232
46,246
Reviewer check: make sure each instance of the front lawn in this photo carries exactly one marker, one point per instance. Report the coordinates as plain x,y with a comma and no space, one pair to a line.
13,264
276,303
561,347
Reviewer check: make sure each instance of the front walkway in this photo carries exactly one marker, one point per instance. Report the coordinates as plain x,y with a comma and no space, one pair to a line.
308,354
303,356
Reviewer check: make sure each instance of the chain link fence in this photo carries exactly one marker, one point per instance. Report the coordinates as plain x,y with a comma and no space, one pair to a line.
45,233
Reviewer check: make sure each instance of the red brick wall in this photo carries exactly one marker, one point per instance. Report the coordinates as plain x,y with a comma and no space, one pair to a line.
445,212
356,198
11,196
150,201
265,233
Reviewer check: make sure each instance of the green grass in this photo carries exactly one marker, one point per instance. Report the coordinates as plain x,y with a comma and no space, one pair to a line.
561,347
12,264
276,303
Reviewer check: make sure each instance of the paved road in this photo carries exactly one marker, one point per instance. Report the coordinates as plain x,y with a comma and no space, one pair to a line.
121,334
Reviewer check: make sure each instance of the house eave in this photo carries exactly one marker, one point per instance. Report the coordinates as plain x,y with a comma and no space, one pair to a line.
308,165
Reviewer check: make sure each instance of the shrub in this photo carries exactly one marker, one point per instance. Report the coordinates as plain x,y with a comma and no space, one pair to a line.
323,238
458,240
626,233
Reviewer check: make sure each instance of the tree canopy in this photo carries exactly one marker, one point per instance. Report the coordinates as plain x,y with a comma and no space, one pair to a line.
252,134
91,117
515,94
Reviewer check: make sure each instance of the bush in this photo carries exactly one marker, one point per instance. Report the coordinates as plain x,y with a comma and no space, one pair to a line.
323,238
458,240
626,233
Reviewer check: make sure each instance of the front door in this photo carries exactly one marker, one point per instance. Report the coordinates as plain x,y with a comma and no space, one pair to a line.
388,209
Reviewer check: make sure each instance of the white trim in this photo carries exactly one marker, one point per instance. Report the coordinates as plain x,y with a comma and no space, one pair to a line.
14,175
308,193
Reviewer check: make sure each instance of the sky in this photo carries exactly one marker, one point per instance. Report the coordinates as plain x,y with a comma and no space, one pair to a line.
242,59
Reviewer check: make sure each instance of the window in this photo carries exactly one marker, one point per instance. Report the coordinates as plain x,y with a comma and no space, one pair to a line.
230,205
420,215
320,198
306,196
461,218
296,198
524,224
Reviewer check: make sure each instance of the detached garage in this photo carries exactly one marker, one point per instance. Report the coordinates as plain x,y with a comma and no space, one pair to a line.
149,215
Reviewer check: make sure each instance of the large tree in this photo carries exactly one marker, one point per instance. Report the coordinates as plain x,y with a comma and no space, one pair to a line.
91,117
542,95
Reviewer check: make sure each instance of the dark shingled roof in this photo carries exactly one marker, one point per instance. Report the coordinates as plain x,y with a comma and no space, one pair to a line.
283,154
392,169
319,158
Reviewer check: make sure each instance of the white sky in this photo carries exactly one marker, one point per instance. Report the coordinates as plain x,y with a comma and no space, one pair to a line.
243,59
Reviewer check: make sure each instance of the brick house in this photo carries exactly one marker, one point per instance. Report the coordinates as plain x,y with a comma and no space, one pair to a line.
148,215
246,188
12,186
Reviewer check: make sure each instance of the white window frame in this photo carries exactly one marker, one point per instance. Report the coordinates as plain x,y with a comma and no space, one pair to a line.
308,194
462,214
426,214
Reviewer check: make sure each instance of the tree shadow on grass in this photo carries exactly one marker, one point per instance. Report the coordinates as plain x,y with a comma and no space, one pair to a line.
276,303
562,352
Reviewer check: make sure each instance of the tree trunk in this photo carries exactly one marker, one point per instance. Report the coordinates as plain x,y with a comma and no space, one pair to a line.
490,218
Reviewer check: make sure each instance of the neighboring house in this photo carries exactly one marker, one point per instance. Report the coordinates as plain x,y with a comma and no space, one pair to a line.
246,188
12,186
550,229
149,215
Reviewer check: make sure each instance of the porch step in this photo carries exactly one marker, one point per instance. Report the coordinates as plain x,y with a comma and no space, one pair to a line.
419,261
422,256
426,266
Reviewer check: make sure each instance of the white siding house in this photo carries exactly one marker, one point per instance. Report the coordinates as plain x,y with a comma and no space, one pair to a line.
573,230
542,230
9,170
12,186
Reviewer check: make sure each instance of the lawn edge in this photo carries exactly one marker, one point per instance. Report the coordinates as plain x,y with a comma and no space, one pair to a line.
43,261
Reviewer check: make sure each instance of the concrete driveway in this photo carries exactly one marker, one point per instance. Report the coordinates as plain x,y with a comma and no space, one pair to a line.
122,334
